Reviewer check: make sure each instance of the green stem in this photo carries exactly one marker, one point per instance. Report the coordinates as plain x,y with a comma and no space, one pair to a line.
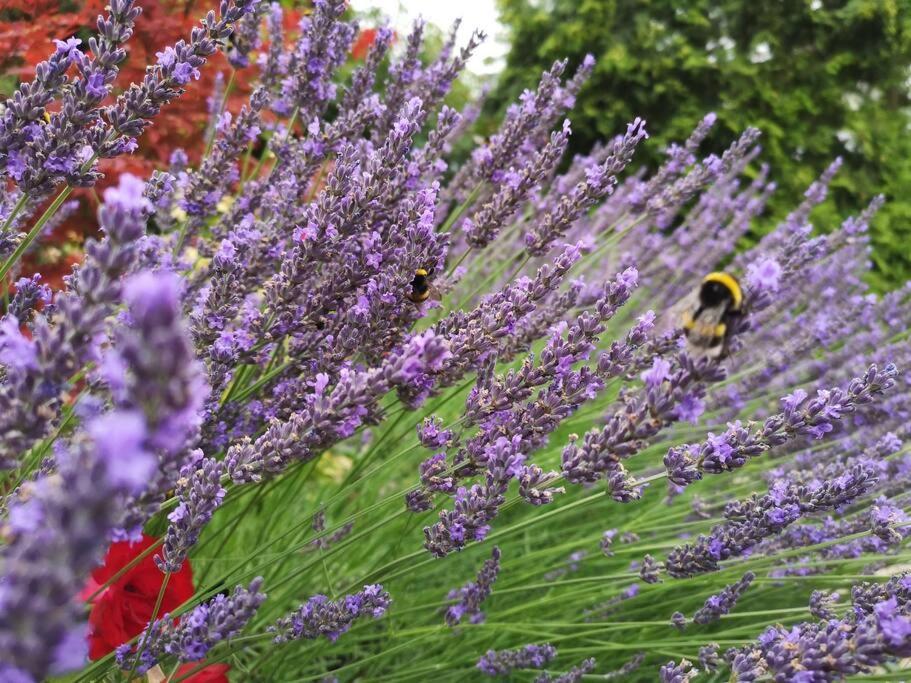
461,208
142,642
221,108
34,232
8,223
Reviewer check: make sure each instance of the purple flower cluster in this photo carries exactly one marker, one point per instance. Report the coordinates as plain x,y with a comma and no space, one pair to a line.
470,596
875,632
503,662
574,675
320,616
329,266
731,449
717,605
188,640
752,521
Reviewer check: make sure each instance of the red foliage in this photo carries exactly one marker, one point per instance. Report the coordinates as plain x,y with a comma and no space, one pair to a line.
27,30
362,44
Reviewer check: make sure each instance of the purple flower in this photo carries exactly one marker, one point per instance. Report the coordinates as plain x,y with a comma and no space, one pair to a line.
199,492
19,352
895,627
69,49
120,438
472,594
717,605
764,275
209,623
128,195
690,409
96,87
320,616
503,662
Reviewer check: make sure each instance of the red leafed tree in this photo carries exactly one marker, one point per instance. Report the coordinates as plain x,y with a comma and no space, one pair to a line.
27,30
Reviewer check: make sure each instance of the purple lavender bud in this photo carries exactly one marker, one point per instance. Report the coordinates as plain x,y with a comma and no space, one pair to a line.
764,275
62,149
650,570
199,493
722,603
70,340
497,211
476,507
59,528
574,675
30,294
815,418
607,542
245,37
677,673
750,522
709,658
165,81
121,433
599,183
431,435
320,616
678,620
322,48
198,631
472,594
503,662
326,542
885,517
821,604
533,485
435,475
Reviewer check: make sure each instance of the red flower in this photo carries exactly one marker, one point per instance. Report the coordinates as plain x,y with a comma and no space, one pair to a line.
216,673
122,610
363,43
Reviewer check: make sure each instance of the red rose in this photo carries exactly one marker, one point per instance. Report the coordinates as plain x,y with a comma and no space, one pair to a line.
122,610
216,673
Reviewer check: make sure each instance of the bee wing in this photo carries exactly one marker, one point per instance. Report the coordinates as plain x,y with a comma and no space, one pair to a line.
673,317
435,293
706,338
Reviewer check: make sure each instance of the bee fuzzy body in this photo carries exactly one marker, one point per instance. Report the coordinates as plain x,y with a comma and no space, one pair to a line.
707,319
420,286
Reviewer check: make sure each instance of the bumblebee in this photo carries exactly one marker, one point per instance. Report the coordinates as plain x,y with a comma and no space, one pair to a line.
421,286
708,313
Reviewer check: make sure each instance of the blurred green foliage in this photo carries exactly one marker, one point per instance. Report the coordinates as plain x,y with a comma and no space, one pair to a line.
820,78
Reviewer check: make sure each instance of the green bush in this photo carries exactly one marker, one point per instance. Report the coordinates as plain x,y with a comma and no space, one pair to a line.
820,79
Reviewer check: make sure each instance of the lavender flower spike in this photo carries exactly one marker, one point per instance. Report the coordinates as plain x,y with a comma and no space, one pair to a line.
722,603
677,673
190,639
58,529
501,663
817,417
472,594
320,616
599,182
200,493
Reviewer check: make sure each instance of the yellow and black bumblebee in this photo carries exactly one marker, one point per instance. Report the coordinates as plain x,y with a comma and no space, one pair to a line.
708,312
421,287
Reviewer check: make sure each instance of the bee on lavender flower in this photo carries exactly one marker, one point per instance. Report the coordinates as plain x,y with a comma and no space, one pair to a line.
421,286
706,314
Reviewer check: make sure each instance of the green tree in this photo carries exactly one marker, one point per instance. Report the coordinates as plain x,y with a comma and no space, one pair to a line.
820,78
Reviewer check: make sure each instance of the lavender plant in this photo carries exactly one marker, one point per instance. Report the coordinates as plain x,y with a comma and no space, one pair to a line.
330,386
